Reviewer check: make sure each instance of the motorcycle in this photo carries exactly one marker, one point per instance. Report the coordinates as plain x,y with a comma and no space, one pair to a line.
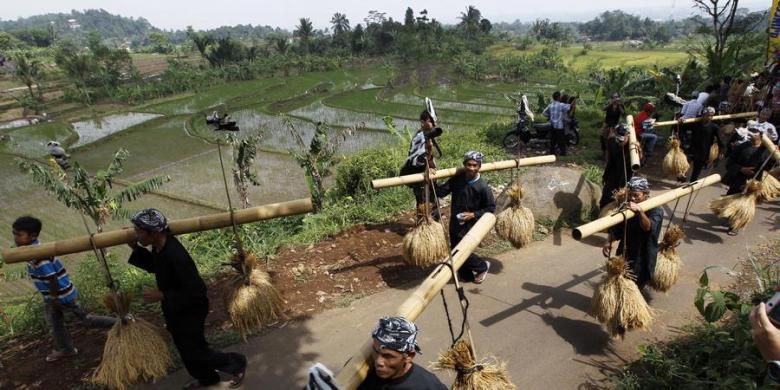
536,135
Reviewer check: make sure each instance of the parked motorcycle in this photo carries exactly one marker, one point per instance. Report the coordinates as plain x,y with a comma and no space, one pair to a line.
536,135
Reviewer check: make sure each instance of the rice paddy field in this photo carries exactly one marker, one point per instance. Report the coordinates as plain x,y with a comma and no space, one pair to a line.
168,137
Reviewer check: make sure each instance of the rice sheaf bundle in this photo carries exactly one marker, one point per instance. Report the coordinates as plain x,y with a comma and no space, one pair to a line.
667,265
714,153
675,162
135,350
739,209
516,222
488,374
425,244
251,299
770,188
619,197
617,301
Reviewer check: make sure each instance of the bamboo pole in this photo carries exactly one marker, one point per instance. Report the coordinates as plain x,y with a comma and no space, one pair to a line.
655,201
182,226
771,147
633,144
357,366
715,118
444,173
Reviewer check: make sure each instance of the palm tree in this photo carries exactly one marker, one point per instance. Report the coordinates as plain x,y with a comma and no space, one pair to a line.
29,71
340,23
304,31
470,19
281,45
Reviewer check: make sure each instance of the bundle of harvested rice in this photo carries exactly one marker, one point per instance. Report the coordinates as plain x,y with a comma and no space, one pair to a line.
714,153
134,351
675,162
667,265
250,298
739,209
471,375
619,197
617,301
425,244
516,222
770,188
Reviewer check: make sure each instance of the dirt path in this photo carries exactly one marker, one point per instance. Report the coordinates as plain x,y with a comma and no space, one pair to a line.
531,312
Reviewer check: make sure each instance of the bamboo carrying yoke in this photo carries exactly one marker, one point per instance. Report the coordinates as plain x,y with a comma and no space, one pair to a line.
181,226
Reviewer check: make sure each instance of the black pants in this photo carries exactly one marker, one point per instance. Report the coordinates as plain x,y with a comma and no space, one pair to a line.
698,165
201,362
558,140
474,264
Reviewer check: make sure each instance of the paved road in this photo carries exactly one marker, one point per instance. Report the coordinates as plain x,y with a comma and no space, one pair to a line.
531,312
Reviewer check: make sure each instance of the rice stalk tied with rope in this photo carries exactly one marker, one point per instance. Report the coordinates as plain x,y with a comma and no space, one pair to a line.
617,301
675,163
516,223
667,265
470,373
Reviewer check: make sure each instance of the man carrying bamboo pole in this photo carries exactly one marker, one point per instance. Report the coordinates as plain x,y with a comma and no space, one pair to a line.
639,235
745,160
618,164
705,134
471,198
395,346
184,301
421,154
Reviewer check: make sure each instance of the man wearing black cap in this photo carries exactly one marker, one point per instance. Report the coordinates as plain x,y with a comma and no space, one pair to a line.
184,302
392,368
618,164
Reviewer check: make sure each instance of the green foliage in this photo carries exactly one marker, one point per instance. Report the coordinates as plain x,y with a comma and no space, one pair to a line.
718,353
244,153
318,158
90,195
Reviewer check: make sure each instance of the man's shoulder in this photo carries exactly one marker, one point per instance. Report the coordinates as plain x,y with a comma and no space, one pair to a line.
423,379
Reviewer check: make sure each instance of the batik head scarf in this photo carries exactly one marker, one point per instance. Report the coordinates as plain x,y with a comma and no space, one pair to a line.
397,334
473,155
638,184
151,220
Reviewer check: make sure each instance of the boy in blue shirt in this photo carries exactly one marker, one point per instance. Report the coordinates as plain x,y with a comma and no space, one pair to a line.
59,294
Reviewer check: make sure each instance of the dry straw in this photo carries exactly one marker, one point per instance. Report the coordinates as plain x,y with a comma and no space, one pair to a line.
489,374
134,351
619,197
770,188
714,153
425,244
739,209
675,162
617,301
251,299
516,223
667,265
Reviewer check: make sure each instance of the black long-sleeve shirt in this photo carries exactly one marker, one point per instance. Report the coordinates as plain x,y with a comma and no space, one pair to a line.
618,163
474,196
177,277
704,135
745,156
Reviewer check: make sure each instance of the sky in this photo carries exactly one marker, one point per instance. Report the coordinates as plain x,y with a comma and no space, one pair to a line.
178,14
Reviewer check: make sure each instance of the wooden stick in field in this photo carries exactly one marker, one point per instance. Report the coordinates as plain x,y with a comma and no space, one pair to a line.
715,118
444,173
182,226
655,201
357,368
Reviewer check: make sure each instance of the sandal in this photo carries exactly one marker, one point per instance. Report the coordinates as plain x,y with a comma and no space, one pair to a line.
237,380
483,275
57,355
